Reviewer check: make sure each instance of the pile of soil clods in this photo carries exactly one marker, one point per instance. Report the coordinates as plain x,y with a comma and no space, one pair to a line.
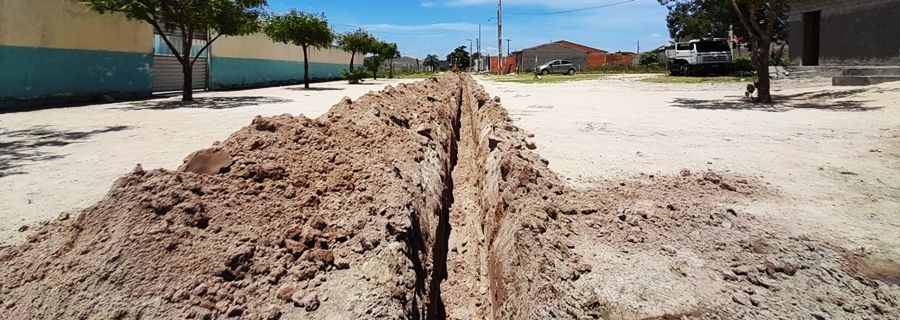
332,218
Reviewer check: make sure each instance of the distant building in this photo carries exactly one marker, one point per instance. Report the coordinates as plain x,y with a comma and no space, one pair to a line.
405,64
584,57
845,32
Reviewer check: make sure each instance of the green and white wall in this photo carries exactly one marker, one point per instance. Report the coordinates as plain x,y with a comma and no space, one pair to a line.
57,51
254,61
52,49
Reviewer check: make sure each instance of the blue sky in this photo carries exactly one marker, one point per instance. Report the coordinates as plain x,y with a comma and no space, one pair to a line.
421,27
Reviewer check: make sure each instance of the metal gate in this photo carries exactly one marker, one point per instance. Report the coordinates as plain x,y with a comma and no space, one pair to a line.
167,73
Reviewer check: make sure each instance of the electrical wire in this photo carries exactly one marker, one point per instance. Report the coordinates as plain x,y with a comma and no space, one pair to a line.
572,10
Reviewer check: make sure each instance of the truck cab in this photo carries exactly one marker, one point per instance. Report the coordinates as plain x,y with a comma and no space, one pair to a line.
699,56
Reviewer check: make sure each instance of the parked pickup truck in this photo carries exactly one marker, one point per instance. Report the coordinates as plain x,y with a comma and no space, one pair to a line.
699,56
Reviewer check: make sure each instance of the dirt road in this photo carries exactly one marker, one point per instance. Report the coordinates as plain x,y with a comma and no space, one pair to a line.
428,201
834,152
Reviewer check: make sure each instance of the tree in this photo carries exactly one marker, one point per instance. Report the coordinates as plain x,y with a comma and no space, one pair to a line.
390,52
460,57
759,18
301,29
432,61
359,41
374,62
759,23
188,18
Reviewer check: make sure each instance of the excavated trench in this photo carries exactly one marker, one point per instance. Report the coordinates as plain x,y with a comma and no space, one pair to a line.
462,279
416,202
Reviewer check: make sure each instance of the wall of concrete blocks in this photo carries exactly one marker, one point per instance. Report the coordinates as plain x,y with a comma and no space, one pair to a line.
852,32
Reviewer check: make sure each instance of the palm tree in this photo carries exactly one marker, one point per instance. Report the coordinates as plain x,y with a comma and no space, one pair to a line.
432,61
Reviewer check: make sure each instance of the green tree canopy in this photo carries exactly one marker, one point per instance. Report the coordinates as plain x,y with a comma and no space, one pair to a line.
759,23
301,29
432,61
695,19
381,52
188,18
459,56
390,51
359,41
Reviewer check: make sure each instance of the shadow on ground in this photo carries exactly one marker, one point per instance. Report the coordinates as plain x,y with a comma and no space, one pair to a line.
820,100
21,147
203,103
313,89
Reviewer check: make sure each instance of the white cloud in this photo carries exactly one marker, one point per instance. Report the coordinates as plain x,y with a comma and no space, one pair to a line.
427,4
422,28
655,35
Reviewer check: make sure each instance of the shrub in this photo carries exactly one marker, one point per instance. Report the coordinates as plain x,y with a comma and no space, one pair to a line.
650,59
355,76
743,64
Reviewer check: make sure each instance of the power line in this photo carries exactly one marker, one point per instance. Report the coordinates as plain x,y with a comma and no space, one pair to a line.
574,10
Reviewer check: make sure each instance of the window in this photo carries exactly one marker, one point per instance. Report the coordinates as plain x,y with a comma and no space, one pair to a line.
161,49
684,46
566,62
712,46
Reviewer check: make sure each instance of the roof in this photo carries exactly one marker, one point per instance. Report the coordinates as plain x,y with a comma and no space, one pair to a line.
579,47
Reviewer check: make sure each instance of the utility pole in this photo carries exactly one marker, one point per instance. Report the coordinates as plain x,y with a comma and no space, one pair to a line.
470,55
507,48
499,36
478,67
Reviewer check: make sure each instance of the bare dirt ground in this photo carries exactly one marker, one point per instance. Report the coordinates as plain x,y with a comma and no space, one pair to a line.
428,201
833,152
63,160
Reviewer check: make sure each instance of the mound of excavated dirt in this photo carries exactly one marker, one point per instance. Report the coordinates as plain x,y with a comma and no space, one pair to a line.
331,218
424,201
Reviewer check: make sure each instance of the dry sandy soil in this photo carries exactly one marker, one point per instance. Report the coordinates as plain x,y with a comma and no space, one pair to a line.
616,199
834,152
63,160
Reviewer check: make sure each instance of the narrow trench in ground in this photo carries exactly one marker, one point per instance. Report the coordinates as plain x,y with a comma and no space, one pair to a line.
461,292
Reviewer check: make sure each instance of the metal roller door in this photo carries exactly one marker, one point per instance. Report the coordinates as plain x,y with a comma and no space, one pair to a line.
167,74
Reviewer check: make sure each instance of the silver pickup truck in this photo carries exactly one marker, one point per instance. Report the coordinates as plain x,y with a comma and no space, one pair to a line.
699,56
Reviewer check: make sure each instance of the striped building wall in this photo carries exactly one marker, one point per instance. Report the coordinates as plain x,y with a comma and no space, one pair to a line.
254,61
59,50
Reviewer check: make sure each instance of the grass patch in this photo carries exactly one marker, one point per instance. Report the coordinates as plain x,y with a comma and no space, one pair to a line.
722,79
529,78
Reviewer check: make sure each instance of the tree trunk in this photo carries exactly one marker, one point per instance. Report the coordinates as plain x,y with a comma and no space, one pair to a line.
762,71
305,68
352,55
187,89
391,69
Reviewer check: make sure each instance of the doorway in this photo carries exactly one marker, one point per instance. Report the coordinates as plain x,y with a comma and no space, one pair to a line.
811,28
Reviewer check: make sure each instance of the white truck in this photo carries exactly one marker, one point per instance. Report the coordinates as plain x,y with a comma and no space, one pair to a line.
699,56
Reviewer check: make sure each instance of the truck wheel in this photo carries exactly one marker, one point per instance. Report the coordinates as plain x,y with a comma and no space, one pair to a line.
545,72
674,70
686,70
571,72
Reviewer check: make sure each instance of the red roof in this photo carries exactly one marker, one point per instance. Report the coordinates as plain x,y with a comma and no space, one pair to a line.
579,47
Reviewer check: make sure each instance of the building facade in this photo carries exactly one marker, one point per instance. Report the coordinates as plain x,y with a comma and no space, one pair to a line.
58,51
845,32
